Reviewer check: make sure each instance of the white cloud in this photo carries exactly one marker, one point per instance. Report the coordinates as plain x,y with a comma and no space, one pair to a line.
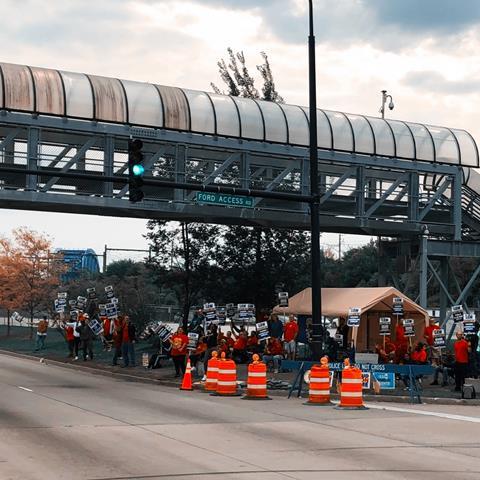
363,47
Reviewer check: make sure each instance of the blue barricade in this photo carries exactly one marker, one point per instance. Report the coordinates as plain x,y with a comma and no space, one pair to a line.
412,372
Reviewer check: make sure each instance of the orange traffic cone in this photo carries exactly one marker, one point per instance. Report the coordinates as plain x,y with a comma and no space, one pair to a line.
187,378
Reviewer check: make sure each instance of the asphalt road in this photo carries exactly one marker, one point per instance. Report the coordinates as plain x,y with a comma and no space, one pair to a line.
57,423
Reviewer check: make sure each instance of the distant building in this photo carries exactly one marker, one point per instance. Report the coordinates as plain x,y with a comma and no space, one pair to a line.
79,261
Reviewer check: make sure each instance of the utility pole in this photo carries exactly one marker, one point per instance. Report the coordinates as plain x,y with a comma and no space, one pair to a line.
339,246
317,333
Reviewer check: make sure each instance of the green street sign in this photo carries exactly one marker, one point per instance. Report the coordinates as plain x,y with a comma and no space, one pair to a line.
226,200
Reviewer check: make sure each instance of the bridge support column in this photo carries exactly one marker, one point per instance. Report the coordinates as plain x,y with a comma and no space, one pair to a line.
423,271
180,171
32,157
108,154
444,274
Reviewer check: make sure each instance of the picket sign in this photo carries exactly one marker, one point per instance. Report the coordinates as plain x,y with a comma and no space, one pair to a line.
353,319
384,324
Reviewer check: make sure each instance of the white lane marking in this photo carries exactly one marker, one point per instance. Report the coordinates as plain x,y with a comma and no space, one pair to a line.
25,388
448,416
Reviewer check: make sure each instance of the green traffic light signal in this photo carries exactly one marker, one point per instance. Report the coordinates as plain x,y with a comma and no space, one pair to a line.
138,170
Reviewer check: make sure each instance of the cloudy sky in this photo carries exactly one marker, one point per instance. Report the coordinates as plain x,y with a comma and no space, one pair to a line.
426,53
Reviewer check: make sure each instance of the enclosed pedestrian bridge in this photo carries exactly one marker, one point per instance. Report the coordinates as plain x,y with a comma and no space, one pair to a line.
380,177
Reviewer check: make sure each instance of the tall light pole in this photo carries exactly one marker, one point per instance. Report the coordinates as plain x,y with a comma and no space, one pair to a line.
317,336
385,97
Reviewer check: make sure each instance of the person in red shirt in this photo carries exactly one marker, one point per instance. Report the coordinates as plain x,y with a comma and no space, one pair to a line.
252,342
428,332
179,343
70,337
419,354
273,353
198,354
461,347
290,333
240,347
230,340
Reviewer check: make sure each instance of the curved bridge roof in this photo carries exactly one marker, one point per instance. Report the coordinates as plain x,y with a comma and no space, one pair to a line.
91,97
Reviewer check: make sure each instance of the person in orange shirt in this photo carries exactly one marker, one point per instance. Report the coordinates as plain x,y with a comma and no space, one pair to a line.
419,354
230,340
252,342
273,353
290,333
461,348
70,337
198,354
179,343
240,348
428,331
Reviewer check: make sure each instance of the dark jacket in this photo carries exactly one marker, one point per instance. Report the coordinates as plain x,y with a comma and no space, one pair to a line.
85,332
276,329
132,332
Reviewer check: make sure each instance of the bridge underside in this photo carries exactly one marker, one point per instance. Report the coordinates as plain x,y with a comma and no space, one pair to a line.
360,194
407,201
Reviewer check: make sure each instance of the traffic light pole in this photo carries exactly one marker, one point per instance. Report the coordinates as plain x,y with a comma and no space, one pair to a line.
318,332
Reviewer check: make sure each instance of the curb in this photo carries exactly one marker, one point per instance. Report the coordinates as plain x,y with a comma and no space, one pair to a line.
276,393
94,371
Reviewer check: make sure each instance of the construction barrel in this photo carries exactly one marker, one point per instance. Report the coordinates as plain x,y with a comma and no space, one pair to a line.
227,377
351,389
212,373
257,380
319,388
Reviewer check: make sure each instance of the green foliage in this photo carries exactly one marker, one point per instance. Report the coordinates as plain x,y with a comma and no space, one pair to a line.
360,266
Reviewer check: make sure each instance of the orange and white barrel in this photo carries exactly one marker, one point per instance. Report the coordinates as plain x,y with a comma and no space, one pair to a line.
227,378
212,375
351,388
257,380
319,387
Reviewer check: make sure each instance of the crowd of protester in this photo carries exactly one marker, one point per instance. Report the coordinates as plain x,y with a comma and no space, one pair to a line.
456,365
119,336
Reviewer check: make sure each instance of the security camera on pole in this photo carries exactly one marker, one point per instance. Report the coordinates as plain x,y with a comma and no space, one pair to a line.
385,97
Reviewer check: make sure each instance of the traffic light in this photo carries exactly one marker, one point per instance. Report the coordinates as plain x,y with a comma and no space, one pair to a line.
135,170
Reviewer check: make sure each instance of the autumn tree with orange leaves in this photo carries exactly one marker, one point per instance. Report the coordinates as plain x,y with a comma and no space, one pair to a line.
30,273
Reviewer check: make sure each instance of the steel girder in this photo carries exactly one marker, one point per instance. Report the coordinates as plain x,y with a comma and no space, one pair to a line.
359,194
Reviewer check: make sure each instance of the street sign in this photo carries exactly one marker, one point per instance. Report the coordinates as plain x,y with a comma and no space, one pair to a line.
457,313
226,200
398,305
283,299
384,324
354,316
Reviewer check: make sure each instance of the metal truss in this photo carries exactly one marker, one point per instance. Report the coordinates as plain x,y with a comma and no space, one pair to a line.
359,194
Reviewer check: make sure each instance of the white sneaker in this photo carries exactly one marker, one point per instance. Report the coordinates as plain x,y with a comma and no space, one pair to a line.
86,357
204,378
276,370
76,358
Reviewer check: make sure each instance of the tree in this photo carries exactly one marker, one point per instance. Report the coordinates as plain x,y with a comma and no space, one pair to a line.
240,83
183,255
29,271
